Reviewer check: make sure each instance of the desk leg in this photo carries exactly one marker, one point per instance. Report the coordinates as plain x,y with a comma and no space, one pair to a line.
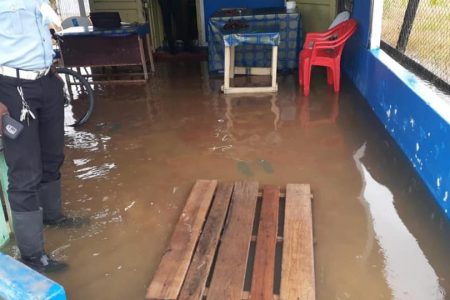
144,63
150,53
226,70
274,66
232,61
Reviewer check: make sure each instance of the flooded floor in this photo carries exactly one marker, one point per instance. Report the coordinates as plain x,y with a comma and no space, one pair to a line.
378,233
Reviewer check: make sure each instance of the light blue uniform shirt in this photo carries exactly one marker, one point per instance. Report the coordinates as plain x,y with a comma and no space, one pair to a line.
25,40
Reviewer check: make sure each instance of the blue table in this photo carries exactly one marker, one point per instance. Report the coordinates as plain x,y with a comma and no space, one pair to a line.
250,35
290,29
140,29
18,281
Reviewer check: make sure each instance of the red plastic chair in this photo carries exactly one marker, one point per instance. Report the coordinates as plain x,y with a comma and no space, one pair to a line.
324,49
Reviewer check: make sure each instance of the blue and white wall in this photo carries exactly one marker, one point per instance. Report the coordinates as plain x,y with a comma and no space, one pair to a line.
416,117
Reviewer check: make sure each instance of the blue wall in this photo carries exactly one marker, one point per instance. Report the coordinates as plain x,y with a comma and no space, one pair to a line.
211,6
417,118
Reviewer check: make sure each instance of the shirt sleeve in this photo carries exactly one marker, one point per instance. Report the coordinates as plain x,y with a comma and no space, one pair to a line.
49,16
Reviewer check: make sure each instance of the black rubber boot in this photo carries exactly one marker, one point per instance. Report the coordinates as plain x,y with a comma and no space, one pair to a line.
50,200
28,230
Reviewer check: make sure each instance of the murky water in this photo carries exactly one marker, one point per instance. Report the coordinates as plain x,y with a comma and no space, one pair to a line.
378,233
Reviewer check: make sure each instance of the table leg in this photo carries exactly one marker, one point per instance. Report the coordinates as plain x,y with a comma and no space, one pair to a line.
150,53
226,73
144,63
232,61
274,66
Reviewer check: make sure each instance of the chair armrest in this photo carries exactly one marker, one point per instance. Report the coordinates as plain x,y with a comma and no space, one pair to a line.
313,37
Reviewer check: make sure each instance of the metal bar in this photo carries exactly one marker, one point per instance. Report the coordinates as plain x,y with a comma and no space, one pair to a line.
82,8
408,21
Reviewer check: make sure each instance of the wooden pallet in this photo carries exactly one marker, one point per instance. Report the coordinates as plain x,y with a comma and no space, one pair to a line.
232,242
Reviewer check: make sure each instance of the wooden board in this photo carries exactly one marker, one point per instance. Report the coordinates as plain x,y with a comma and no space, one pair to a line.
213,261
197,275
228,278
266,240
169,277
297,271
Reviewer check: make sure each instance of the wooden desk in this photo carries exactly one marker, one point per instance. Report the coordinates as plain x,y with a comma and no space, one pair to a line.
92,47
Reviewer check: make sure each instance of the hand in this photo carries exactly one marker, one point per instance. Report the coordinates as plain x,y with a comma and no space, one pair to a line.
3,111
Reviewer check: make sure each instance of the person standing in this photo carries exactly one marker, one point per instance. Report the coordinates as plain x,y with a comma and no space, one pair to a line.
178,23
33,95
169,10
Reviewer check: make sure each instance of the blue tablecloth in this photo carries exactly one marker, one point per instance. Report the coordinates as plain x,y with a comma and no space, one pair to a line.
251,35
290,30
125,30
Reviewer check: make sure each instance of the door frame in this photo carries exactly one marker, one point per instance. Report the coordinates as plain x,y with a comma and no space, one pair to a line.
200,11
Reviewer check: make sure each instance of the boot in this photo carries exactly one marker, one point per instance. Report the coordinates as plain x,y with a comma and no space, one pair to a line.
50,200
28,230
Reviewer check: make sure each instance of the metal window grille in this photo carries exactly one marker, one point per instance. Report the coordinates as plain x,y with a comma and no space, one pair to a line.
417,33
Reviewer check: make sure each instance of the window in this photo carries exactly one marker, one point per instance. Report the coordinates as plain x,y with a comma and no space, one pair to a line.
416,33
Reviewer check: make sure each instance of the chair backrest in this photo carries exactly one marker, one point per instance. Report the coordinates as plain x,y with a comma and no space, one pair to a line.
343,32
76,21
341,17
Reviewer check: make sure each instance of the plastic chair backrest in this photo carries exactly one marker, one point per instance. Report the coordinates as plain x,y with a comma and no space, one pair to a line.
76,21
343,32
341,17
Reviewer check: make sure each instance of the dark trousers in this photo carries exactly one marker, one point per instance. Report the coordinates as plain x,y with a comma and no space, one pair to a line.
37,154
168,8
177,11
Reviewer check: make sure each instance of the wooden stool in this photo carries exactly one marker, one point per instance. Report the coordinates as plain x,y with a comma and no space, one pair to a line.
250,36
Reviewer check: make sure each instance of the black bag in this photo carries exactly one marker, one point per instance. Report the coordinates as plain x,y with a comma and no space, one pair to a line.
105,20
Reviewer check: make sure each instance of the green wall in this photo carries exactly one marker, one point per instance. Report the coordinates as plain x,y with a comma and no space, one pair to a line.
317,15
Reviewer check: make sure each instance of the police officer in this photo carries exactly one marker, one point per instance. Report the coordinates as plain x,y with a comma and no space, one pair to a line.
33,95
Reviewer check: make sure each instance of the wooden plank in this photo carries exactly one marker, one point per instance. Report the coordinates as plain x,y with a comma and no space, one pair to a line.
245,295
150,53
274,65
232,61
228,277
142,53
170,274
226,70
195,282
252,71
246,90
264,265
297,270
279,239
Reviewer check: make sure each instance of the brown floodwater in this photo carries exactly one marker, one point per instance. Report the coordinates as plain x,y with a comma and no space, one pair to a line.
378,233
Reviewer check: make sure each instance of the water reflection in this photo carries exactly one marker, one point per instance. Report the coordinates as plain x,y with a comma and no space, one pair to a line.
83,140
313,112
239,100
406,269
87,168
95,171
